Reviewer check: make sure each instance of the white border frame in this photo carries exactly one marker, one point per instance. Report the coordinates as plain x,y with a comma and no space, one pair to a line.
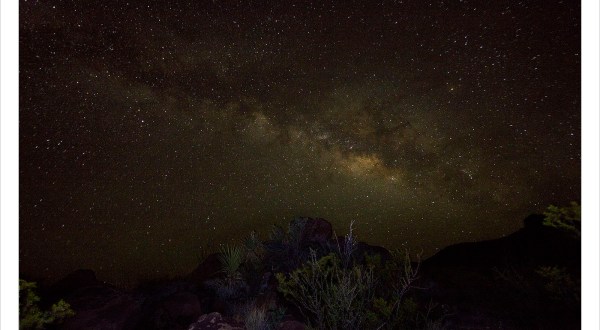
589,165
9,129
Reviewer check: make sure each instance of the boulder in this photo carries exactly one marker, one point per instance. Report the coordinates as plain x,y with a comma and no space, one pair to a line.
215,321
209,268
97,305
102,307
169,304
176,311
316,231
291,325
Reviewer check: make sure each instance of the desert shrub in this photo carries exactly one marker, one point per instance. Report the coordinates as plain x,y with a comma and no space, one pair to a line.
334,297
330,296
406,276
346,251
373,260
257,319
261,318
31,316
391,313
393,308
432,318
566,218
231,259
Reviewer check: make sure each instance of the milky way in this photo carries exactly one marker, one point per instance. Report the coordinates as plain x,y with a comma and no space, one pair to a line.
151,133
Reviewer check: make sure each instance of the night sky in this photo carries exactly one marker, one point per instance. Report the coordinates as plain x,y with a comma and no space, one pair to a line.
152,132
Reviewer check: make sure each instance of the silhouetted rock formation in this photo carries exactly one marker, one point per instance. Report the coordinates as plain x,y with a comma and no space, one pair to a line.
532,245
497,283
316,230
97,305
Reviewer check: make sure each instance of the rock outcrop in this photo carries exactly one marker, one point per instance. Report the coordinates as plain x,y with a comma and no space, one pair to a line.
215,321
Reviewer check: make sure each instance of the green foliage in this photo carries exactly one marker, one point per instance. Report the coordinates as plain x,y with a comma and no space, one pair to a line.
334,293
383,307
405,274
393,308
31,316
231,259
406,315
331,296
392,314
380,312
232,289
566,218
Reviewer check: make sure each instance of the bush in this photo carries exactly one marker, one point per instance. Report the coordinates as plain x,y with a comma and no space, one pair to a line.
330,296
346,251
393,308
566,218
31,315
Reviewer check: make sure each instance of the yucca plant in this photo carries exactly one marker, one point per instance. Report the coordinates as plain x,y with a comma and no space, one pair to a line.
231,259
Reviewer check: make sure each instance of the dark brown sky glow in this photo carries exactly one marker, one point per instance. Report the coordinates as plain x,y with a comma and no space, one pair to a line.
152,131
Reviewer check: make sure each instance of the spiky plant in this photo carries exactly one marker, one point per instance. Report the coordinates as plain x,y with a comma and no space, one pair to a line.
349,246
257,319
231,259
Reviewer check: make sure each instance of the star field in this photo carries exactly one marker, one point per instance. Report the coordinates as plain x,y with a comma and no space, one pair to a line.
151,132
